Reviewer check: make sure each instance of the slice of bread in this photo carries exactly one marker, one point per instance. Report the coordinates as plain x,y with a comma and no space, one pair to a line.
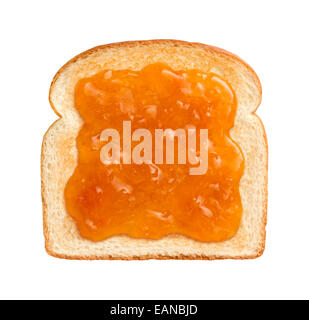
59,154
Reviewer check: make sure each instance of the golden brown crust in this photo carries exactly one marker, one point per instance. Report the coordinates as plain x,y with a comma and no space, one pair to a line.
175,43
44,206
262,249
156,257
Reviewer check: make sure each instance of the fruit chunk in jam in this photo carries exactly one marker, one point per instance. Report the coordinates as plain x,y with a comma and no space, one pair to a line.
153,200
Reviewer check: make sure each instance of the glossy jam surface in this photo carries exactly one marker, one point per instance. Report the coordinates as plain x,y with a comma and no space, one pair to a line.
154,200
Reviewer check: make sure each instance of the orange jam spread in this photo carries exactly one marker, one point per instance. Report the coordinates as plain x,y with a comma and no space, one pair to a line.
151,200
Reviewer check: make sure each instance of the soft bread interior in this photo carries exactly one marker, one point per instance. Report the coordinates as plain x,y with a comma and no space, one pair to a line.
59,154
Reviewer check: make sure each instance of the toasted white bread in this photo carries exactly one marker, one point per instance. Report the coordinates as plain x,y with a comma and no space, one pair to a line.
60,155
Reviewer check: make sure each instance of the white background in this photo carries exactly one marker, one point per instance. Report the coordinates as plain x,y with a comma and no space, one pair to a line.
38,37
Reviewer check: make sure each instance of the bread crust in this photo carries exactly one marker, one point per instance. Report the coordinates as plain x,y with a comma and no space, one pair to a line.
176,43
